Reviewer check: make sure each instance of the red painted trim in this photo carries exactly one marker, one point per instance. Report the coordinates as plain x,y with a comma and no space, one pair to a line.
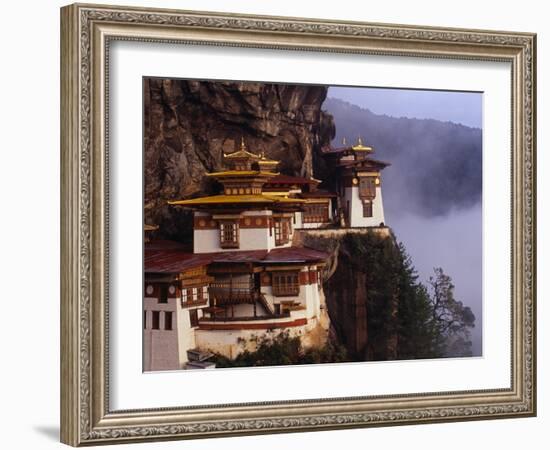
265,280
254,222
205,223
252,326
304,278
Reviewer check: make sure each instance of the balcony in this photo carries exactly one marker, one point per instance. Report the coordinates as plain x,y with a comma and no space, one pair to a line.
195,302
233,293
222,318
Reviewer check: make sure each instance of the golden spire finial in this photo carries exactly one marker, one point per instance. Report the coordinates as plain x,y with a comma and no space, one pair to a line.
359,140
344,141
243,145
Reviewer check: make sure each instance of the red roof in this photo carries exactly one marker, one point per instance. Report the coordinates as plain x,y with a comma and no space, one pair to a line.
335,150
365,161
172,261
295,254
176,259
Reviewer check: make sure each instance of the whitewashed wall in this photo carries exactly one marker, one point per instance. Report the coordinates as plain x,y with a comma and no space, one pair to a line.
356,208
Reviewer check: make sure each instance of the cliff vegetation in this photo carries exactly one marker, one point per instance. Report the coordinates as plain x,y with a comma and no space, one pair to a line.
378,308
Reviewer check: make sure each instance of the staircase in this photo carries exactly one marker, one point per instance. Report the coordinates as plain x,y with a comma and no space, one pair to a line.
265,304
198,360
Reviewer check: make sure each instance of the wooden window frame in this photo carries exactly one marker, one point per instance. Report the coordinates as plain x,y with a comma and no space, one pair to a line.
316,213
367,187
283,230
285,283
367,208
224,234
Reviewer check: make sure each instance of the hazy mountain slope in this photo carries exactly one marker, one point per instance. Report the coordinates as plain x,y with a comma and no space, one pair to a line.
436,166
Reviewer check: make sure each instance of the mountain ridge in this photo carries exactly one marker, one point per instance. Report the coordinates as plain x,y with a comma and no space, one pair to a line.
436,166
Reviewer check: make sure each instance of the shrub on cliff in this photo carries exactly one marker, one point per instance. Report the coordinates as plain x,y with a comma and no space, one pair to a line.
280,349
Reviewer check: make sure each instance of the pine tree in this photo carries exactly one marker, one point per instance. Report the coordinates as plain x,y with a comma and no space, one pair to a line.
418,337
450,318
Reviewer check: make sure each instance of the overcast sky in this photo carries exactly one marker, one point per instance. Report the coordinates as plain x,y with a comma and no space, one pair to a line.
458,107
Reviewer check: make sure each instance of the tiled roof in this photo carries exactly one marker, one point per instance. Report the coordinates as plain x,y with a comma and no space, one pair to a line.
171,261
166,259
295,254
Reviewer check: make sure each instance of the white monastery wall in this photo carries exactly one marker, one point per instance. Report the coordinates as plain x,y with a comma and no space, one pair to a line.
186,334
160,347
256,239
208,240
356,208
231,343
298,220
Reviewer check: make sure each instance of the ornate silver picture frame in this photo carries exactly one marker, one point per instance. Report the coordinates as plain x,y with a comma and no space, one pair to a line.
87,414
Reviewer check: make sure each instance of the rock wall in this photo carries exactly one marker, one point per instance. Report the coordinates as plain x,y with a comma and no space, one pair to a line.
351,292
188,125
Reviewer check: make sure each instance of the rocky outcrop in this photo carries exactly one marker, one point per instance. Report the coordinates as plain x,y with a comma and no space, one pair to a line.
353,295
189,124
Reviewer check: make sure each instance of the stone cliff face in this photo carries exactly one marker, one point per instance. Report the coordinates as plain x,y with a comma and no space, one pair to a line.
353,294
188,125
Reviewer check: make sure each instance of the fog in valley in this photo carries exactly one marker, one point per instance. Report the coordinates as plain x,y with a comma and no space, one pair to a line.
432,190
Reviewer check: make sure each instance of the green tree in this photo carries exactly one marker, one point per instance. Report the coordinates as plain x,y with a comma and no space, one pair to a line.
399,317
418,337
451,320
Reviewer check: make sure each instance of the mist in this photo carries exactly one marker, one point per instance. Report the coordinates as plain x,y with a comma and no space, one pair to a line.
432,191
454,243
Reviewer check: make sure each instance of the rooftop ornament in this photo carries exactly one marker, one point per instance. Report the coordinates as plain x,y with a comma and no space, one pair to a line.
359,147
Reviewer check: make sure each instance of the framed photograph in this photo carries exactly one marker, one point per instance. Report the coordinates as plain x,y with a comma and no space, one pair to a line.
276,224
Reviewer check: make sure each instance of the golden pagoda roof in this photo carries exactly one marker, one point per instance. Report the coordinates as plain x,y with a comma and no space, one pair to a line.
242,153
267,161
359,147
316,200
236,199
241,173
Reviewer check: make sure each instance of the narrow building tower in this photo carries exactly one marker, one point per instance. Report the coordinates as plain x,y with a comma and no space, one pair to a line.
359,185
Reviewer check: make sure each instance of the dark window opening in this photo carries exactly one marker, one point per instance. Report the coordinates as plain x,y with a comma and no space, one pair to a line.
168,320
156,320
194,318
163,298
367,209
